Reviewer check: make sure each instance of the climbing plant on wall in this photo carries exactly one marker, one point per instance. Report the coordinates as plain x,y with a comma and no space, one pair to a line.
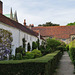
24,42
38,43
34,45
5,43
28,47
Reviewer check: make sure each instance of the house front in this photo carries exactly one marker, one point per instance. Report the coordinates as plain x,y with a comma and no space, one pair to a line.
63,33
18,31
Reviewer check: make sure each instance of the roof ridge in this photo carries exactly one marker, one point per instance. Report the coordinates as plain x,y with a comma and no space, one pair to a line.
49,26
57,31
17,25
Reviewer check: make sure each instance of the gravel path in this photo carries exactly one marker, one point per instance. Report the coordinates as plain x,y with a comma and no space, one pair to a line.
65,66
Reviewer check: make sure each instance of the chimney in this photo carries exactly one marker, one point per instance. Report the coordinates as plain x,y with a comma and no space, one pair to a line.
1,7
24,22
32,25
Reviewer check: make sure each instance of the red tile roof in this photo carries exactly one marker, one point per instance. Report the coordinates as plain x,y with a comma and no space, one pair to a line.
56,31
17,25
37,31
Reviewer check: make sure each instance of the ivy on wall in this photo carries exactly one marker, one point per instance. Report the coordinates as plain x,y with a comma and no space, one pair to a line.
24,42
28,47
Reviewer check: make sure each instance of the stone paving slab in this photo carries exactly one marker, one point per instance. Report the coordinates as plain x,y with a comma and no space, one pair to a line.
65,66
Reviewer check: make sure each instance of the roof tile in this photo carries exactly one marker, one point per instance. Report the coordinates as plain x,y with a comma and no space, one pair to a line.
56,31
15,24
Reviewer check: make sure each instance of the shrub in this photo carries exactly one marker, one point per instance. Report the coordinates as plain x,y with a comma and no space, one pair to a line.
63,45
72,50
44,65
37,53
67,47
42,47
24,41
61,48
11,57
45,51
20,50
52,44
29,55
72,53
18,56
28,47
34,45
38,44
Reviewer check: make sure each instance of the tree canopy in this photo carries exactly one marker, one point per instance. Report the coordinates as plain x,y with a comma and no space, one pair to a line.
71,24
52,44
48,24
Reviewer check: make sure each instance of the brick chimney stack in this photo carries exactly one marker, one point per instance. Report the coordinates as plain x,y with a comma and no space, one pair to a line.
24,22
32,25
1,7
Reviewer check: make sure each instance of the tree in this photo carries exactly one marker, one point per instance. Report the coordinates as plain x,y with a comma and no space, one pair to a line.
71,24
48,24
52,44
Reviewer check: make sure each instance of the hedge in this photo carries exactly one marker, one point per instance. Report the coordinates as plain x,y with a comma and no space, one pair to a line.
40,66
72,50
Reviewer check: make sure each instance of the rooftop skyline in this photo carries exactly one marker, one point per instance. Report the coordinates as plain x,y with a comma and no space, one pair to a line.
39,12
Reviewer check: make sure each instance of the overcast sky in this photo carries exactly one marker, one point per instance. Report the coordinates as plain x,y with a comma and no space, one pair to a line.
42,11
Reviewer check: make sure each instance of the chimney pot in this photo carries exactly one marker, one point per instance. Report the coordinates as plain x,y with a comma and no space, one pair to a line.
24,22
32,25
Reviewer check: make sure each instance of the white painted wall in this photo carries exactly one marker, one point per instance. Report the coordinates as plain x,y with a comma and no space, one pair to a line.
15,35
29,38
18,35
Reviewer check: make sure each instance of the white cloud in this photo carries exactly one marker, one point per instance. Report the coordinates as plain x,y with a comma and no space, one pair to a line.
41,11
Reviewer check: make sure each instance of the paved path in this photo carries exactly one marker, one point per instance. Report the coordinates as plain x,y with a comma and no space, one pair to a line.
65,66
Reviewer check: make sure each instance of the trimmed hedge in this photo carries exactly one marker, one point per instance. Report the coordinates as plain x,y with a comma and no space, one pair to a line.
72,53
72,50
40,66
